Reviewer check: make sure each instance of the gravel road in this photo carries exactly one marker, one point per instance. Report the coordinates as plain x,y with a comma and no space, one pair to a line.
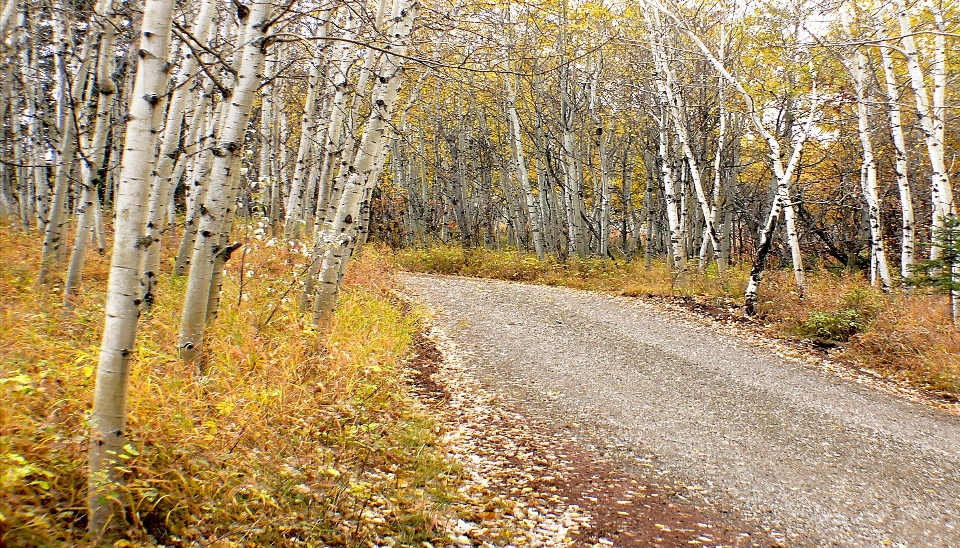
822,460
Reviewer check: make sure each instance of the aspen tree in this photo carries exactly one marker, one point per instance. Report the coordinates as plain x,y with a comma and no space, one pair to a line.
669,192
308,127
93,157
266,133
341,228
183,100
858,68
196,187
57,216
218,203
536,227
337,137
108,418
522,173
766,234
334,146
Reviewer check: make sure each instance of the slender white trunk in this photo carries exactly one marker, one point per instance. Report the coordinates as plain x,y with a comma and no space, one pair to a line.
766,234
908,226
57,218
170,149
308,127
680,126
858,68
334,147
930,125
93,159
782,174
267,140
522,173
669,192
108,418
196,189
218,206
719,196
342,229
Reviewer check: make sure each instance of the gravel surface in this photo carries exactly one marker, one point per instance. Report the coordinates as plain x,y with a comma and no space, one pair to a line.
522,485
816,458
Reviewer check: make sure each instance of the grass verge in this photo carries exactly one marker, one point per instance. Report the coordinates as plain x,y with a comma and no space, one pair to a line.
901,335
289,438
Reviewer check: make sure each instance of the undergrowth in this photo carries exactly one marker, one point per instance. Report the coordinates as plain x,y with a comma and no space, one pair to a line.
288,438
907,336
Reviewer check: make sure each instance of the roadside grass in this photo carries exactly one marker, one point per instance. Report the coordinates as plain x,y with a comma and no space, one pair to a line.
287,437
901,335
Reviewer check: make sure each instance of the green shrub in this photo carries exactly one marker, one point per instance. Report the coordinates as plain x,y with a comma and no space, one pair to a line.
837,325
853,314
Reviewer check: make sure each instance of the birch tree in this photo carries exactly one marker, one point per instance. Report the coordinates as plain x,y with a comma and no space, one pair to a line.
858,68
931,123
341,229
108,418
892,97
219,202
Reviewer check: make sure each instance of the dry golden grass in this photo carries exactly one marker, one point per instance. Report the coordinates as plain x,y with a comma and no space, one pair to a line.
625,277
901,335
288,438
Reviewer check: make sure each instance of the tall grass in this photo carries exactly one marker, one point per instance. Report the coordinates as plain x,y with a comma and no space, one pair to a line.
903,335
287,438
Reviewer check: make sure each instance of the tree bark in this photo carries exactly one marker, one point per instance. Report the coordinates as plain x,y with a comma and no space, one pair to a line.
341,229
218,209
109,414
94,159
908,225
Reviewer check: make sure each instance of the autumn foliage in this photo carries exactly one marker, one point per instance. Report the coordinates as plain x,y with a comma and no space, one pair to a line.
285,438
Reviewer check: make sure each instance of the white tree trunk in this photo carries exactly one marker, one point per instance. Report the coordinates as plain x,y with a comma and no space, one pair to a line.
522,173
218,207
679,125
766,234
669,193
342,228
858,68
57,218
93,156
162,192
308,127
7,19
782,174
908,225
108,417
334,147
930,125
196,189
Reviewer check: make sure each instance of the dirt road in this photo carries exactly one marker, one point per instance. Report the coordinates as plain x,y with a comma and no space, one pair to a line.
822,460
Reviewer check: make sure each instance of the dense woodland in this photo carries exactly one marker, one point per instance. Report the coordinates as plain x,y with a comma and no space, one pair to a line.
808,135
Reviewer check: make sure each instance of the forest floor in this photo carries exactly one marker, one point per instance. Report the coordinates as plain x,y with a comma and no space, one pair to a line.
629,422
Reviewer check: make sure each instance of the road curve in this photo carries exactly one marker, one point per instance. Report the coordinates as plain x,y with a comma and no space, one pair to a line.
825,461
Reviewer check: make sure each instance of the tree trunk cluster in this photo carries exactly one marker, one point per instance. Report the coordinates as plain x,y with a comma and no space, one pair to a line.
567,130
